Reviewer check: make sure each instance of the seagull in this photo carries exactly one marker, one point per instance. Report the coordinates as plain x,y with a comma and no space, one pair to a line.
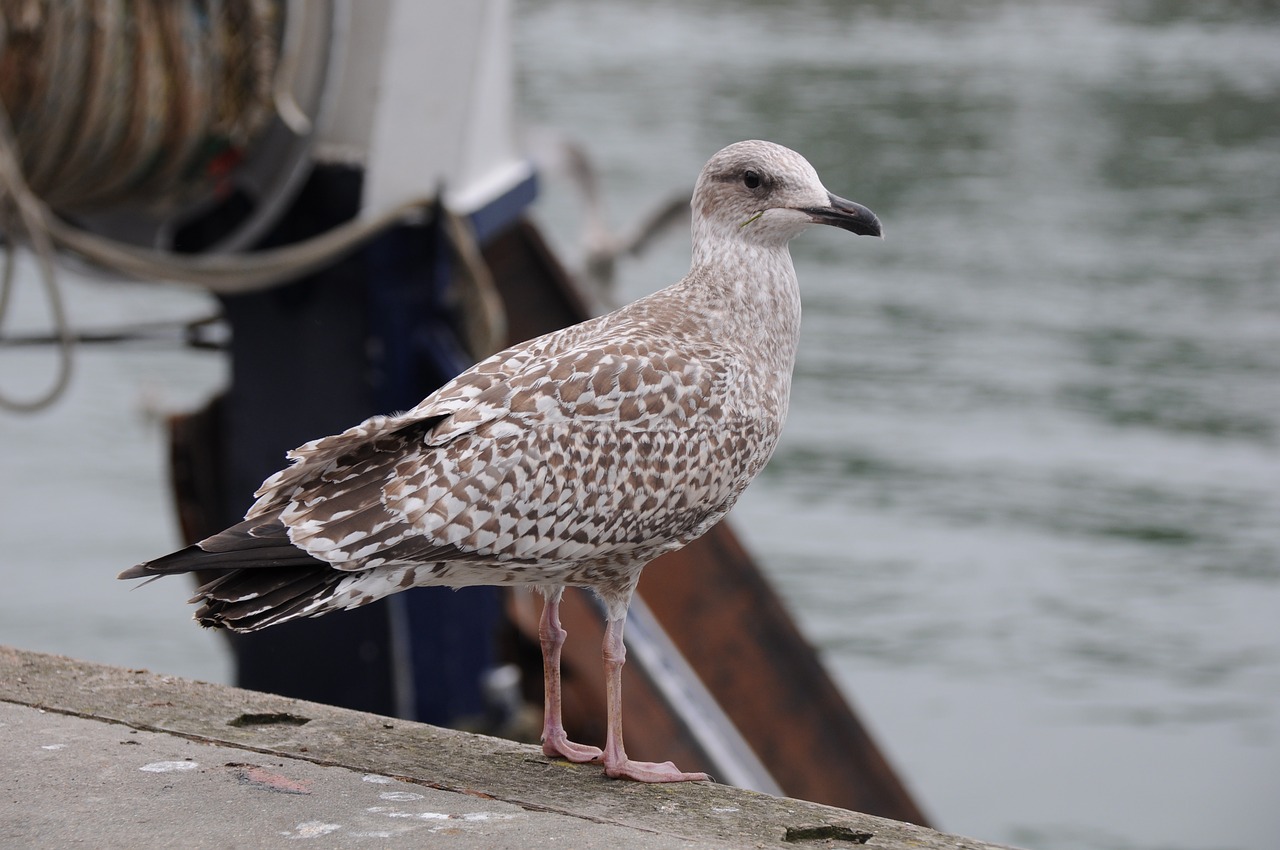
572,459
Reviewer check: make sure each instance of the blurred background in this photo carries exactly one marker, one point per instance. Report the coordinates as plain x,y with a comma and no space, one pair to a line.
1026,503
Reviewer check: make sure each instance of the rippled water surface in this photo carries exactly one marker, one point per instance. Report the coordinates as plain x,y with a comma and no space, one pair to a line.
1028,495
1027,499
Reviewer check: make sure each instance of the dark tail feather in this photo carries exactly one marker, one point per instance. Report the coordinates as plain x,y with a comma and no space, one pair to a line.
259,577
250,599
252,544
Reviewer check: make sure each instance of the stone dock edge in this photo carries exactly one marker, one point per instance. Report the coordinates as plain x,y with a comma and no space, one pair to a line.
425,778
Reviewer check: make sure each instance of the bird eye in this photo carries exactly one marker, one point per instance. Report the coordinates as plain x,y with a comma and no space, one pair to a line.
751,179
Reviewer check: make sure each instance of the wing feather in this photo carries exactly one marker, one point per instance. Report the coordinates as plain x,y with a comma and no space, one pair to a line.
598,451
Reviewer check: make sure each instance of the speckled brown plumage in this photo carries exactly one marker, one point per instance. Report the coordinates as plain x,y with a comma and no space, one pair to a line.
571,459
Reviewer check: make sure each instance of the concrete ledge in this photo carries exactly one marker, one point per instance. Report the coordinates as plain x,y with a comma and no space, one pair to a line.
98,755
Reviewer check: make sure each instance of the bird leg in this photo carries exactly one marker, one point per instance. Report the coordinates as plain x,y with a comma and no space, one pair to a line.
555,742
616,763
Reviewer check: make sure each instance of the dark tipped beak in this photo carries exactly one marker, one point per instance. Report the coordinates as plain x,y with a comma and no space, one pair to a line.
846,215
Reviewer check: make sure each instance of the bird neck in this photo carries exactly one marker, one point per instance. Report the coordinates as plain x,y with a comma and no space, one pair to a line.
749,299
754,285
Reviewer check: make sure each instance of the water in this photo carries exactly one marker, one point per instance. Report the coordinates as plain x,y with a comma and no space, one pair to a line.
1026,501
84,490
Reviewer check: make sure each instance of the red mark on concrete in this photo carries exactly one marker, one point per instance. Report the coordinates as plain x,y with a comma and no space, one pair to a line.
260,777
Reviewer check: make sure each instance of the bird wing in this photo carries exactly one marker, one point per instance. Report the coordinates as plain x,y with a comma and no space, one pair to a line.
599,451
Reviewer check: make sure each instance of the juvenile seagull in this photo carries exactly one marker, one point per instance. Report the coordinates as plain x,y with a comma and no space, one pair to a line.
572,459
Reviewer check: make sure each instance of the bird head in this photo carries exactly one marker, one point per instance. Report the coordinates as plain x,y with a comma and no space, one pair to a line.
766,194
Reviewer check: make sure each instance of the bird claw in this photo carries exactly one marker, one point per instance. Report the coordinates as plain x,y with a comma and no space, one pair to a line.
562,747
649,771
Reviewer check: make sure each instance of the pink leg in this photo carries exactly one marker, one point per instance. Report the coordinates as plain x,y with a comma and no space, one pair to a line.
616,763
554,740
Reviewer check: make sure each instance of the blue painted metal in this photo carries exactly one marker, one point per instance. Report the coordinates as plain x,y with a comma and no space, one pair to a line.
502,211
373,334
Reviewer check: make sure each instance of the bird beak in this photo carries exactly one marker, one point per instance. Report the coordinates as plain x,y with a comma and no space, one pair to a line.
846,215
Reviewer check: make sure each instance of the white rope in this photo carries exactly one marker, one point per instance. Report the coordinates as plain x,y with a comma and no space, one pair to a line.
29,214
232,274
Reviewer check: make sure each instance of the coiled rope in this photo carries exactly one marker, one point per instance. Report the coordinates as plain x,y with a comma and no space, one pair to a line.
152,103
147,103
